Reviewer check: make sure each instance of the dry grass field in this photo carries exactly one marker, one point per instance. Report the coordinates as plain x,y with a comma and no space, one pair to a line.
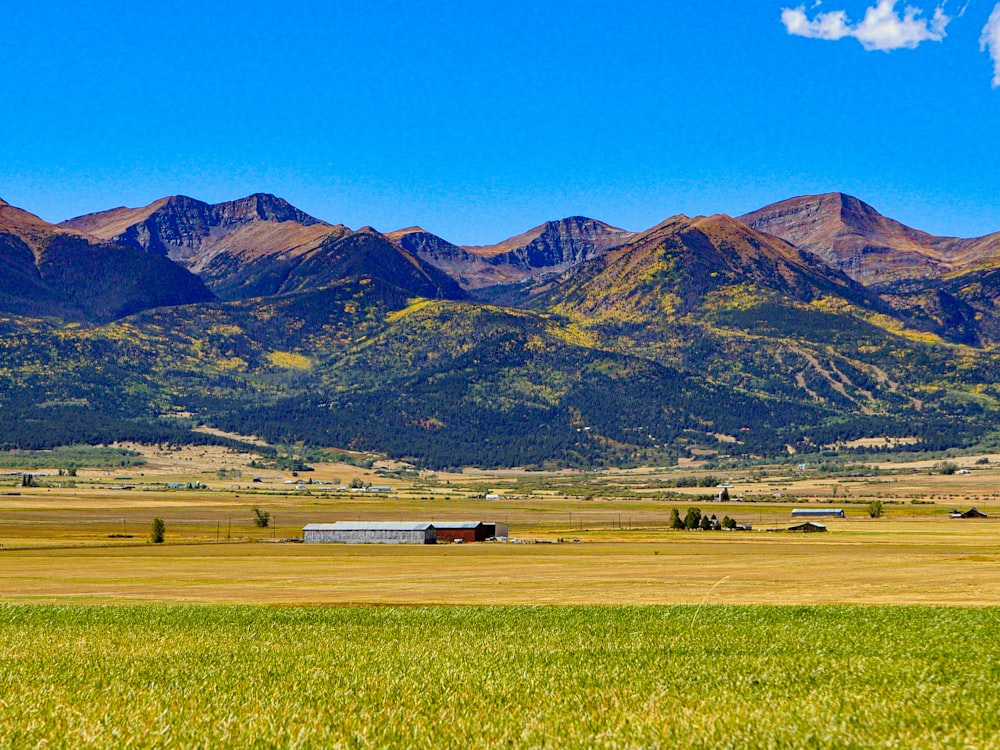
911,566
589,539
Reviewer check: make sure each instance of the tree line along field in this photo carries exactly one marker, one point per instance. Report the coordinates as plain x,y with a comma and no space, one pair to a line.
683,676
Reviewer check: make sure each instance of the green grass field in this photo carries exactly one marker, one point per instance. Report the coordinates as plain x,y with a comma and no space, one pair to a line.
688,676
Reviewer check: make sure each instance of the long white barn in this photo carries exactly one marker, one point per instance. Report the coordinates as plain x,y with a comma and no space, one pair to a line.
818,512
370,532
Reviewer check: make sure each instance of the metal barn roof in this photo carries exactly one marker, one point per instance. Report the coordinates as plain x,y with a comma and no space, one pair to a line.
807,526
368,526
457,524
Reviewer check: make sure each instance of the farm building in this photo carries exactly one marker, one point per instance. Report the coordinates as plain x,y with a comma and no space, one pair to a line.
465,531
469,531
971,513
817,512
370,532
496,530
809,527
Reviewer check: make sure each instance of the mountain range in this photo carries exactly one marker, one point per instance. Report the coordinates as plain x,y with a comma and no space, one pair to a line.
801,325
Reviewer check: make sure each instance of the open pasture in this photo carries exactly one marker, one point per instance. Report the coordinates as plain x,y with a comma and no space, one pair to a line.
695,677
86,538
859,561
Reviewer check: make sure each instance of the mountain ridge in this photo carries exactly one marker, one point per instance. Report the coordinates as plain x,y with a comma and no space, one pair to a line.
671,267
60,272
261,245
644,350
549,248
853,236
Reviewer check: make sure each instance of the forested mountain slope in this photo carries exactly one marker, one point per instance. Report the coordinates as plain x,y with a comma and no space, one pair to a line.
698,336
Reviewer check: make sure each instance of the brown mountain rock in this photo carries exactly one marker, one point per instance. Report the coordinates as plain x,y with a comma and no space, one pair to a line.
61,272
853,237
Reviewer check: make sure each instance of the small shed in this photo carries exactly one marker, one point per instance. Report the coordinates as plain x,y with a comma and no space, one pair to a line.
496,530
809,527
817,512
971,513
370,532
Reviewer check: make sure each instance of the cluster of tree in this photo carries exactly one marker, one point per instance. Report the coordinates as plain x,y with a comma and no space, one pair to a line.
706,481
30,427
282,463
694,519
69,459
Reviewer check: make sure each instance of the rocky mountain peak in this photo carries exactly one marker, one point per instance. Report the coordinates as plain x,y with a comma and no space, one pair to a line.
555,245
852,236
261,207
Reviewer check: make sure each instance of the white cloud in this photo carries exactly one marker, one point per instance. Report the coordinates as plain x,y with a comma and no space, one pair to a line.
990,41
882,28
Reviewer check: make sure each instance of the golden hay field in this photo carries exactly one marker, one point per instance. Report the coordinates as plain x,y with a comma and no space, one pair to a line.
590,539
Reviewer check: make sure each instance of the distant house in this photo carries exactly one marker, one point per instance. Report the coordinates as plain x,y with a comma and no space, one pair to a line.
808,527
817,512
972,513
370,532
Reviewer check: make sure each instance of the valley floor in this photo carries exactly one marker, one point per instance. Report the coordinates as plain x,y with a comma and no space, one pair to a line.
900,563
223,636
601,538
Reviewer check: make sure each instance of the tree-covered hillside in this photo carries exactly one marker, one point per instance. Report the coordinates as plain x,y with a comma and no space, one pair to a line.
698,337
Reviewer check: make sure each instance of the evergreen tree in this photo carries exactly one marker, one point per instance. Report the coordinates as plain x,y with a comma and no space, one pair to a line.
675,519
692,519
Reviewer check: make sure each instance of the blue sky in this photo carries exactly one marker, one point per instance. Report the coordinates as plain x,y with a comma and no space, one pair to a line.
478,120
